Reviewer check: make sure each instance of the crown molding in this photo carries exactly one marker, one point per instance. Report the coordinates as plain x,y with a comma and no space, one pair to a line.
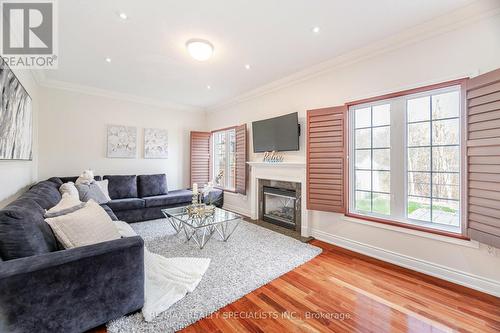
88,90
455,20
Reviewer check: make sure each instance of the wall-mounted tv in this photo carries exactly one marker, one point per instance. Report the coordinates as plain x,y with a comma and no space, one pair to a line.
279,134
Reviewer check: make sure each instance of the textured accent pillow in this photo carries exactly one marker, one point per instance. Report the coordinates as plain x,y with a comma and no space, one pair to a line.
68,204
91,191
86,226
103,184
69,188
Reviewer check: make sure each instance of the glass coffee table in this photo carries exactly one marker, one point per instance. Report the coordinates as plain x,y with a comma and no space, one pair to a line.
201,229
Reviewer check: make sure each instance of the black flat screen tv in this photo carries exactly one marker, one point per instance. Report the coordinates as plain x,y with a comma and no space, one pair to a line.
279,134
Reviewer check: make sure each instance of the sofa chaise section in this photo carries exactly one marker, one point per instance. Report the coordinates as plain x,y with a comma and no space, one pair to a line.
72,290
44,288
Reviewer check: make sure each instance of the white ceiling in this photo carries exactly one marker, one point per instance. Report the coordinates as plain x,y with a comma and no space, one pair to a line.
275,37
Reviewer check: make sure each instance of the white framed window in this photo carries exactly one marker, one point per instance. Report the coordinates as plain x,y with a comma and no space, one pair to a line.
405,162
224,159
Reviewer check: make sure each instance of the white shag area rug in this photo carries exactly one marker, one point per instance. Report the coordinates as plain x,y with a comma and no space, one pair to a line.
252,257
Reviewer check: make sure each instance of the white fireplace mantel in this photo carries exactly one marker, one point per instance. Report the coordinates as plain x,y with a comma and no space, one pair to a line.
282,171
278,164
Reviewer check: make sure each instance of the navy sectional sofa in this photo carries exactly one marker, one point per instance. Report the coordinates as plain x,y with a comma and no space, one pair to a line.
44,288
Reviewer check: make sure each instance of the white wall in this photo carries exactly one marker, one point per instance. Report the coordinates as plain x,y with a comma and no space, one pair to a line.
468,50
16,176
72,136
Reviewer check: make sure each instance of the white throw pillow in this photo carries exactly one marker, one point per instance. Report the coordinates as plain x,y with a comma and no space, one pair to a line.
69,188
66,205
103,184
88,225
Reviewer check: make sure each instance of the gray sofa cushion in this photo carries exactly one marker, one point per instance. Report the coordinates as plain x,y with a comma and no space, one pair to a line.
151,185
23,231
126,204
121,187
45,193
172,198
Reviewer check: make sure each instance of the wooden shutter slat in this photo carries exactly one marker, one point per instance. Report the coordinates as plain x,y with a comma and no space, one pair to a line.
326,123
326,159
491,212
241,159
486,116
485,125
485,90
486,194
482,168
484,151
484,134
485,99
200,158
484,160
490,186
484,108
483,219
484,202
490,177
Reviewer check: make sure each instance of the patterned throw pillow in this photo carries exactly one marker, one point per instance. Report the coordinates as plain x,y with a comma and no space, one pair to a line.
88,225
68,204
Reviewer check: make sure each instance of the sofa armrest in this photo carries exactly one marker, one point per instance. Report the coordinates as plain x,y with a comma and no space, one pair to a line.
72,290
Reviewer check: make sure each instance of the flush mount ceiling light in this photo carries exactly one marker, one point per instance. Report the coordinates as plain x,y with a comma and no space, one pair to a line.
123,16
316,30
200,49
247,66
108,59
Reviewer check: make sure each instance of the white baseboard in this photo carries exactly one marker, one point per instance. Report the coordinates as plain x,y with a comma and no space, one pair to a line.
237,210
485,285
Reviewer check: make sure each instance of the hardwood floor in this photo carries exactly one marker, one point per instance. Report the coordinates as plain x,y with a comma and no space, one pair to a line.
342,291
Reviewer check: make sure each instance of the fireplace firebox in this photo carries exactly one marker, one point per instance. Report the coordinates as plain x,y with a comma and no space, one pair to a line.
279,206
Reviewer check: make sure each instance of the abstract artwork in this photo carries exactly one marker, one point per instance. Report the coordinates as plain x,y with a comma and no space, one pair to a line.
16,117
122,141
155,143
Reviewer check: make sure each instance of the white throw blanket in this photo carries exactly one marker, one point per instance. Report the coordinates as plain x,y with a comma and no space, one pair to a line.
167,280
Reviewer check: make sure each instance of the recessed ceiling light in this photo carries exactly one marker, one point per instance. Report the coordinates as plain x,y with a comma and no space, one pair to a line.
123,16
316,30
108,59
247,66
209,87
200,49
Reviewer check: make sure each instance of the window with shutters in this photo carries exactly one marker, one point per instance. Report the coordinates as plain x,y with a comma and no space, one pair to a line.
224,159
405,159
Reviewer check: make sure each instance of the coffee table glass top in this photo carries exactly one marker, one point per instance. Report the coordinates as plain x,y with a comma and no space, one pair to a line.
219,216
201,228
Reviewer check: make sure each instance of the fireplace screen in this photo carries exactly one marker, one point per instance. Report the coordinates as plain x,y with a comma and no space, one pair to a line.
279,206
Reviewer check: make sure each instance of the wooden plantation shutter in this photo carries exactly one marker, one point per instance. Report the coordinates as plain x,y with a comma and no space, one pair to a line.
200,157
241,159
326,159
483,153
